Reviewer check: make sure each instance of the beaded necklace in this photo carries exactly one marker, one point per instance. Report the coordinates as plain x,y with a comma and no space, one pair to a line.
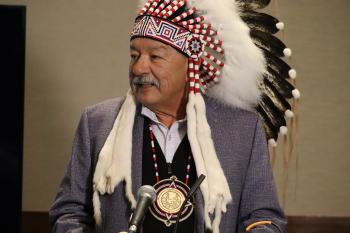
171,192
154,156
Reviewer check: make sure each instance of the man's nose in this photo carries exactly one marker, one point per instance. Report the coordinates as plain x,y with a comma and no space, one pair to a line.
141,66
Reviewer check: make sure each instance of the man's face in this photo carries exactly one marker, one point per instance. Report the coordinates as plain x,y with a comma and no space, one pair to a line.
158,72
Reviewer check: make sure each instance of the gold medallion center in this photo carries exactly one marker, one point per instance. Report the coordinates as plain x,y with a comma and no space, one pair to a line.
170,200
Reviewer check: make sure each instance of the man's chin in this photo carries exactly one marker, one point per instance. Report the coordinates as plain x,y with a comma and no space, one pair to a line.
146,102
145,98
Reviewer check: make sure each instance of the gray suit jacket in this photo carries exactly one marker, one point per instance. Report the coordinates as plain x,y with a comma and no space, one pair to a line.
241,148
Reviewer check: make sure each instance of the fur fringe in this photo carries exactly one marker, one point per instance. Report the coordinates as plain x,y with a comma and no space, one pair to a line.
120,168
114,162
215,189
197,154
218,215
97,208
219,191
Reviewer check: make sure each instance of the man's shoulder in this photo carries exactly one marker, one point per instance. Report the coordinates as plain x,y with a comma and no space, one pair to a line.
106,107
103,114
225,111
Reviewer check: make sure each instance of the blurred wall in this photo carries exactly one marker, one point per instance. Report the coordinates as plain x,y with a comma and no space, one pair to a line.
77,55
318,33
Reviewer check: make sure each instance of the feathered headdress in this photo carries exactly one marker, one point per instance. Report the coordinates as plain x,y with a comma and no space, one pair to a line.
234,58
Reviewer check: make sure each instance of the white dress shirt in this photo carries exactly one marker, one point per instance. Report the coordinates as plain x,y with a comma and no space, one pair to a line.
168,139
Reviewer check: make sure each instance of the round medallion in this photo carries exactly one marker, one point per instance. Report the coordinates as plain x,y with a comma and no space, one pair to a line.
170,200
194,46
171,194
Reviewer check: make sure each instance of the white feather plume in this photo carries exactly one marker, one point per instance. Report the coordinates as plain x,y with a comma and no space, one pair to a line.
244,62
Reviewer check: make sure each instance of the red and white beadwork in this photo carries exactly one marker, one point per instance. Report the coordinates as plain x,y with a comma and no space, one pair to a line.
171,193
154,157
189,33
194,46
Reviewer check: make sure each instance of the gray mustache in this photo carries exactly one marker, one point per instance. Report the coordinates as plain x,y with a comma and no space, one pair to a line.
145,80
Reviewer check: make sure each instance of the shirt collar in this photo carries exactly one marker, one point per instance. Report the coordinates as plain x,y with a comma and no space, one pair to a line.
153,117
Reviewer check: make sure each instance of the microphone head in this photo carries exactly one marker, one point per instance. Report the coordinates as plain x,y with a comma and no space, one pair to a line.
147,190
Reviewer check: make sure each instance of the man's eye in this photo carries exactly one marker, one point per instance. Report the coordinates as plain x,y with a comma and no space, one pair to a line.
133,57
155,57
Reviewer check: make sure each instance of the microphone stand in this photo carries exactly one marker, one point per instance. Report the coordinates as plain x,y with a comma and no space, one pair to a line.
189,195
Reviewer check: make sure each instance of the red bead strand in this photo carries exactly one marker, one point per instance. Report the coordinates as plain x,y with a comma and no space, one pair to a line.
154,156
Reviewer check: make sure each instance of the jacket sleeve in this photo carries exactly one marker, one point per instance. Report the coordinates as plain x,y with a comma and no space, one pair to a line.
72,209
259,201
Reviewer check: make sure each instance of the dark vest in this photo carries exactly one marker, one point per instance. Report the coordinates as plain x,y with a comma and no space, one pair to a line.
178,168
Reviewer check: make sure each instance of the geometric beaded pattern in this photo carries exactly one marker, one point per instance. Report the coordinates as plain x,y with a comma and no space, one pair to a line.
162,30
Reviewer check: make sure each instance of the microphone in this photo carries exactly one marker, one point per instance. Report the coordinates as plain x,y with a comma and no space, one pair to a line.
145,197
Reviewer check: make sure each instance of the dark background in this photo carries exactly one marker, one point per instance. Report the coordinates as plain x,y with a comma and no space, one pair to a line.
12,55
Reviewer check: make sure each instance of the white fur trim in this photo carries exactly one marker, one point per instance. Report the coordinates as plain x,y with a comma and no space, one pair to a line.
280,25
217,218
105,159
197,154
219,191
244,62
289,114
121,154
216,176
97,208
283,130
114,162
272,142
296,94
287,52
292,73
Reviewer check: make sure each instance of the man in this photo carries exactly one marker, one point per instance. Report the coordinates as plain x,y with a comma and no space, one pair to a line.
166,133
